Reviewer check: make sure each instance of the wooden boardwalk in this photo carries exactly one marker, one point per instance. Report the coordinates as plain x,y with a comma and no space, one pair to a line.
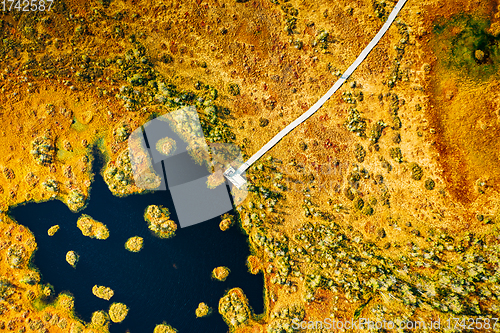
236,176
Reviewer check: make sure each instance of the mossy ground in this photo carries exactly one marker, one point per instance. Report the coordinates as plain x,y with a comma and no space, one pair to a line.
459,37
75,73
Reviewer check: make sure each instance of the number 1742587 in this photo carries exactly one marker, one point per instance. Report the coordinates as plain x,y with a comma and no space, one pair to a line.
26,5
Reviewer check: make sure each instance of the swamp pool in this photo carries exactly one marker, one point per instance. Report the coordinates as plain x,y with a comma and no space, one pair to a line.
164,282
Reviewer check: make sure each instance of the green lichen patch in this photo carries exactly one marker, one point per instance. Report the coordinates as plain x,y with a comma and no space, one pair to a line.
122,132
377,131
355,123
100,319
15,256
464,44
227,221
416,171
43,150
368,210
282,319
103,292
220,273
75,200
358,203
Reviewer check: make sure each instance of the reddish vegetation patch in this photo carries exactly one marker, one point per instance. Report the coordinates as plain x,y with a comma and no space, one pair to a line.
463,116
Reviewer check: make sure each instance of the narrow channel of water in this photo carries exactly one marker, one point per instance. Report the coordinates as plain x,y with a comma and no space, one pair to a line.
163,282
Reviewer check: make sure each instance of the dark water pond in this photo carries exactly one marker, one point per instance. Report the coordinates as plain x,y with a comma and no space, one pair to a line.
163,282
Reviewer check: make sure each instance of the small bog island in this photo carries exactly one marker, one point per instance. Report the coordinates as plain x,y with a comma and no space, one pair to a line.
72,258
220,273
52,230
203,310
134,244
103,292
92,228
118,312
100,319
227,222
166,146
158,218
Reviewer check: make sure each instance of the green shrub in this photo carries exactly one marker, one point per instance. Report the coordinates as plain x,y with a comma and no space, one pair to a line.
416,171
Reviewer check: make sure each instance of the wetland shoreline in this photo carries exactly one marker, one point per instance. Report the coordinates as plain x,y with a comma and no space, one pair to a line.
177,269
